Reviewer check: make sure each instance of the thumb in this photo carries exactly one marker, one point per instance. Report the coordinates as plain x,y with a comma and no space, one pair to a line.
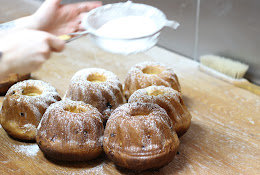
56,44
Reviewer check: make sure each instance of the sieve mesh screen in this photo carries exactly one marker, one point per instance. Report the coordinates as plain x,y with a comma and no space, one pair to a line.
98,17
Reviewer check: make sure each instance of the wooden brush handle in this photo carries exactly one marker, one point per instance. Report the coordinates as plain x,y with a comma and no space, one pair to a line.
242,83
248,86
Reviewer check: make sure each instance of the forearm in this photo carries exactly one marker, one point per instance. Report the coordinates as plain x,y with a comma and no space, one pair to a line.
7,26
21,23
6,29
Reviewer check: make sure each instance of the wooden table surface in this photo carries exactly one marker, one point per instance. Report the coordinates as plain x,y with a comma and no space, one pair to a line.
224,137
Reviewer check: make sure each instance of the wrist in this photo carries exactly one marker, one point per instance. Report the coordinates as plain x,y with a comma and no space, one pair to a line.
28,22
4,71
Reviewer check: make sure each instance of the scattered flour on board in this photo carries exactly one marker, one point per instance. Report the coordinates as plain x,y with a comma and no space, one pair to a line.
28,150
97,170
251,121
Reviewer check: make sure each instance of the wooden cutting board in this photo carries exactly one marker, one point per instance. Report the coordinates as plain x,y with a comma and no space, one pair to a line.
224,137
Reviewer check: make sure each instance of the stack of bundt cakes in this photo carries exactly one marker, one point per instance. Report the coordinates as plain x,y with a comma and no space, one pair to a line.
94,116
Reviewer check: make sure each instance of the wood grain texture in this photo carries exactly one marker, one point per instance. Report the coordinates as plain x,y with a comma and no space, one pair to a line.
224,137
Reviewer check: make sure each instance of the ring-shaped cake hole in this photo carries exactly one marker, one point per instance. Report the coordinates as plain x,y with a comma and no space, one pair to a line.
31,91
75,109
153,70
155,92
96,78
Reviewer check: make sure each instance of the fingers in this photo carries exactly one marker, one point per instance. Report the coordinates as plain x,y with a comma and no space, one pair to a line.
87,6
80,18
83,14
81,27
56,2
50,4
56,44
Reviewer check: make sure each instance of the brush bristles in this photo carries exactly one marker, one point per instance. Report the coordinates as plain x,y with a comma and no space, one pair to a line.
226,66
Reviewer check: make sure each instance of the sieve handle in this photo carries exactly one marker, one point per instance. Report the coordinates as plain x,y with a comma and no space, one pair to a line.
72,36
172,24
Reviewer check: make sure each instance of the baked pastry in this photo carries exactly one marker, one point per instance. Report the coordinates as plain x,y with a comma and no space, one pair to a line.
170,100
98,87
149,73
140,136
23,107
71,131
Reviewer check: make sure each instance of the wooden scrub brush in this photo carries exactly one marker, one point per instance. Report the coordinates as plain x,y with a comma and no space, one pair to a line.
227,70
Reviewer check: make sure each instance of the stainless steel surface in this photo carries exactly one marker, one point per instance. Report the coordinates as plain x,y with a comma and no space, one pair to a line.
231,28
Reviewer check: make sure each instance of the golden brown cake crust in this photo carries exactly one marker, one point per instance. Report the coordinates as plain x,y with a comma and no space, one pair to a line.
98,87
23,107
147,74
71,131
170,100
140,136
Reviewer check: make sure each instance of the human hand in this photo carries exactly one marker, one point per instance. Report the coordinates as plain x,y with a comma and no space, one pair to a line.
59,19
26,50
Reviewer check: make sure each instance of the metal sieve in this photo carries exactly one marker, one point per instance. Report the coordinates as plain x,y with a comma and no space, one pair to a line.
97,17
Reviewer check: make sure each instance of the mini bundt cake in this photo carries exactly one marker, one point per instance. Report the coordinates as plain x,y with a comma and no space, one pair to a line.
71,131
140,136
23,107
149,73
170,100
98,87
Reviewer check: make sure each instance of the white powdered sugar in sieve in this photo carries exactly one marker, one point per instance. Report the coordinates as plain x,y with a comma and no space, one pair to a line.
128,27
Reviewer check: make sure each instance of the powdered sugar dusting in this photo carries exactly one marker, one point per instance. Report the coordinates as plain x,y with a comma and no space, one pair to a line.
29,99
97,170
105,95
73,125
251,121
139,129
47,90
49,95
29,150
170,100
